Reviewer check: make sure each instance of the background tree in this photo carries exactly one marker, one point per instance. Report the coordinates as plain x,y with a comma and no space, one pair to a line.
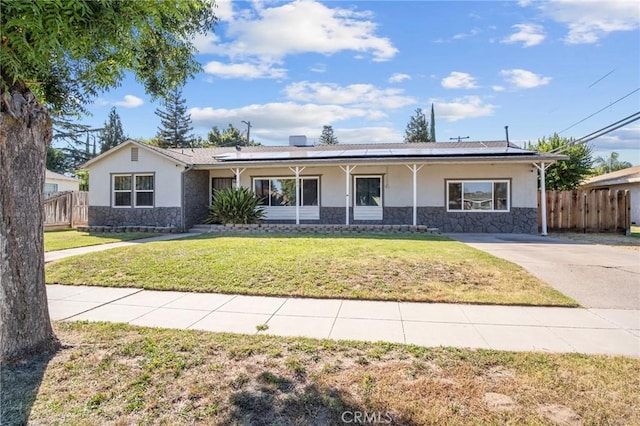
55,57
417,128
327,137
570,173
56,160
175,123
432,126
112,134
611,164
231,136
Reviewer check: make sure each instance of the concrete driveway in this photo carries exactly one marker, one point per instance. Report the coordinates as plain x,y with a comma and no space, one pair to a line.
594,275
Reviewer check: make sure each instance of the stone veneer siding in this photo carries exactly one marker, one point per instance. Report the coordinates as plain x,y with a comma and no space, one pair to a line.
518,220
157,216
196,197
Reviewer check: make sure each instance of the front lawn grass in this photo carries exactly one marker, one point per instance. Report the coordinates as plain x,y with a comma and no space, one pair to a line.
377,267
120,374
62,240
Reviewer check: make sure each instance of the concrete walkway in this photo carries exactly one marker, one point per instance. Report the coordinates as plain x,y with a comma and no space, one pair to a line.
594,275
61,254
591,331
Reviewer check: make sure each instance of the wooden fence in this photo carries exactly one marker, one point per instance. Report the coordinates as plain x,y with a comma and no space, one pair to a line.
66,210
597,210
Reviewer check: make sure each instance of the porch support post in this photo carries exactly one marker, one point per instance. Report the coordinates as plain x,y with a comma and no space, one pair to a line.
543,196
297,171
237,171
347,173
414,168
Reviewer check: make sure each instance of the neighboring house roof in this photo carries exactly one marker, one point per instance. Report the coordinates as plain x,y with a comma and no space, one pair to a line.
49,175
343,153
619,177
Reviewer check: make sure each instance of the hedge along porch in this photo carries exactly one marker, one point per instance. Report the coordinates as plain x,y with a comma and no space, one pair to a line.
456,187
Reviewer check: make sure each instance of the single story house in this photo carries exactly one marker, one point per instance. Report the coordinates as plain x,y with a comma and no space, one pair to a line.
55,182
454,186
628,178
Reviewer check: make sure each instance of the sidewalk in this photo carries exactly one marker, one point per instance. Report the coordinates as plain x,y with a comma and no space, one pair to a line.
61,254
512,328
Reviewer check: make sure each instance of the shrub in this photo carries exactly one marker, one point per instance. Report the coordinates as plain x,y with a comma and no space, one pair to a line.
235,205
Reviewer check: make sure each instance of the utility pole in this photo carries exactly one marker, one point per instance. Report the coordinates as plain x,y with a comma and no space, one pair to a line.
459,138
248,123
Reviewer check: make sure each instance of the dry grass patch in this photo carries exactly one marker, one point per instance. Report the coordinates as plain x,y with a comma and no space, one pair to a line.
378,267
119,374
62,240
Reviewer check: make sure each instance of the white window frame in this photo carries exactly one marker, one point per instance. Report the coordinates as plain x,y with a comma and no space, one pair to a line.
136,191
493,200
133,191
373,213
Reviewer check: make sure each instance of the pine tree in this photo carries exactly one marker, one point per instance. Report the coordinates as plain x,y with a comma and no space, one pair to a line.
327,137
417,128
112,134
432,126
175,123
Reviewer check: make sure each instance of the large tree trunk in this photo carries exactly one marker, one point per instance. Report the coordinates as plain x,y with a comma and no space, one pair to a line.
25,131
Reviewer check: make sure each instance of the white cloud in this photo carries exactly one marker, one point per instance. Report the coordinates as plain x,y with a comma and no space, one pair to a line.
245,70
302,26
459,80
367,135
473,32
498,88
399,78
288,117
206,43
625,138
319,67
589,21
223,10
527,34
461,108
129,101
365,95
524,79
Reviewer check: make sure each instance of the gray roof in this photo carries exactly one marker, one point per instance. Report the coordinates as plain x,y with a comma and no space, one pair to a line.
620,177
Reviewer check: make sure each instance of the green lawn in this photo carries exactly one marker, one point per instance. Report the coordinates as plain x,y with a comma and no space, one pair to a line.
61,240
119,374
380,267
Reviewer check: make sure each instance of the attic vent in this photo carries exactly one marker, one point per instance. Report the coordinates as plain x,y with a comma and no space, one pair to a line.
134,154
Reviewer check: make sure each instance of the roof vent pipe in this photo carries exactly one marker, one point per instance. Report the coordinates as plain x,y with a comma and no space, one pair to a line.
506,132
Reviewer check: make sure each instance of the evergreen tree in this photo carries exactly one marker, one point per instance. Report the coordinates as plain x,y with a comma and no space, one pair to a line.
112,134
432,126
56,160
175,123
566,174
327,137
417,128
610,164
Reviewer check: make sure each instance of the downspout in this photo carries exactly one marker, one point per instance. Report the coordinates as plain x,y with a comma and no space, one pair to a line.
183,215
543,197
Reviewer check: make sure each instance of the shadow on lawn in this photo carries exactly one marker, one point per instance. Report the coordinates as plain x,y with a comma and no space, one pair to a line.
309,405
20,383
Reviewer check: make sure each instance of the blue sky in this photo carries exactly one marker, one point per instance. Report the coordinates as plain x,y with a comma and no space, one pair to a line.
365,66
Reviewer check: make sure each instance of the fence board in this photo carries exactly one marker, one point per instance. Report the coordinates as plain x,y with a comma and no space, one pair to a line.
68,209
587,211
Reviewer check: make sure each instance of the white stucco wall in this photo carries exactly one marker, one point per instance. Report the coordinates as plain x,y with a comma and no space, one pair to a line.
63,184
167,176
398,184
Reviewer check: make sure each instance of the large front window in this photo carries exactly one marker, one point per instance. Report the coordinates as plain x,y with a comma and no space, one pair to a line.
367,201
281,192
478,195
133,190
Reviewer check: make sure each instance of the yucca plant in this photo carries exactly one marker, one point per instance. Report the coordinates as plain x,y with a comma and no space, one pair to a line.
235,205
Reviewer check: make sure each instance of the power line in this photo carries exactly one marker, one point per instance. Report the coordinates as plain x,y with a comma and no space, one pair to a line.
600,132
601,78
600,110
